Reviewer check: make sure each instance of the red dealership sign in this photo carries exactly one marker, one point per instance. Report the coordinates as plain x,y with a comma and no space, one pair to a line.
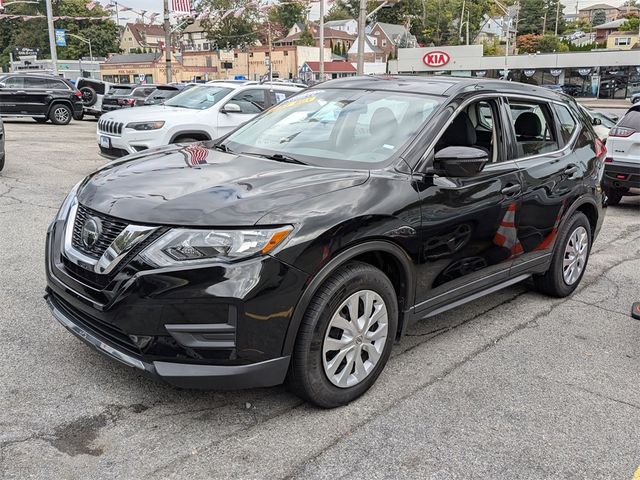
436,58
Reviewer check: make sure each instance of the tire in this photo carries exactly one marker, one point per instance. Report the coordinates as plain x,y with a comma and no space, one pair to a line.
89,96
554,282
41,120
60,114
614,196
2,161
186,140
312,374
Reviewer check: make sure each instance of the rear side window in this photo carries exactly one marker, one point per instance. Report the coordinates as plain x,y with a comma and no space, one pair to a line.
631,120
568,124
533,126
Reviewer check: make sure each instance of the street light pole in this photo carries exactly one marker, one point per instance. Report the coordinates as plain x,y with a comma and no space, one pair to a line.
52,38
85,40
321,40
167,41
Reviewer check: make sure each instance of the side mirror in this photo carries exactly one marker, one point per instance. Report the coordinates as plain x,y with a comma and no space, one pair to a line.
596,121
2,85
460,161
231,108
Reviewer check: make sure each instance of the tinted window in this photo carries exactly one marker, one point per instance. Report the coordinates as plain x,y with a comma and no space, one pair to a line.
567,122
14,82
532,124
120,91
36,83
631,120
250,101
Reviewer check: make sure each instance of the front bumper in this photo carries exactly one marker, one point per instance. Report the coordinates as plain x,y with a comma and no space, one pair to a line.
130,141
218,326
262,374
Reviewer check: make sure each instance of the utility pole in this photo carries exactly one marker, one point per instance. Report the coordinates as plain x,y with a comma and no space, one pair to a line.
544,23
167,41
362,19
467,26
461,21
557,16
52,38
321,40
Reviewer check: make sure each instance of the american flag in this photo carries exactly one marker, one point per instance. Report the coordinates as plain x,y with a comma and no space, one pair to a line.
90,5
181,6
196,155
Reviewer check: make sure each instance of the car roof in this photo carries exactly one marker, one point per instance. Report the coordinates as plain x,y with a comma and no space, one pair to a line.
237,86
442,85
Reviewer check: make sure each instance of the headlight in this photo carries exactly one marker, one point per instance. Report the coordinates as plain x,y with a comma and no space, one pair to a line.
66,204
188,247
145,125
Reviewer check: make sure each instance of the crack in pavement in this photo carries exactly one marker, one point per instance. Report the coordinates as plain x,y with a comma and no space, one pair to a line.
586,390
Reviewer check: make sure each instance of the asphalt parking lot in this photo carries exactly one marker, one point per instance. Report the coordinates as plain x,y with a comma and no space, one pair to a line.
515,385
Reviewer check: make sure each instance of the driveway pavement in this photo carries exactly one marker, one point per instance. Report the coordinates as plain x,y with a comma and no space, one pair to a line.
514,385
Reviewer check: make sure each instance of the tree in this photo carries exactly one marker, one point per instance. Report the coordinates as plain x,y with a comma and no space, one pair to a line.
104,35
630,25
232,31
287,14
532,43
306,38
599,17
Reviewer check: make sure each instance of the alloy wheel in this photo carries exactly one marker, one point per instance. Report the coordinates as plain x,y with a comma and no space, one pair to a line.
575,255
61,114
355,338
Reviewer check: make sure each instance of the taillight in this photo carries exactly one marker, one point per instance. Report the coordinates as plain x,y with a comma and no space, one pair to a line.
608,160
77,94
621,132
600,148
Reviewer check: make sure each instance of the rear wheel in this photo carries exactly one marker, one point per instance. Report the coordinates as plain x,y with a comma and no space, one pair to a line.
570,258
614,196
60,115
345,337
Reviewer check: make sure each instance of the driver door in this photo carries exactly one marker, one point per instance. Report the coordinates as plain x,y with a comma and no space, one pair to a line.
251,102
468,236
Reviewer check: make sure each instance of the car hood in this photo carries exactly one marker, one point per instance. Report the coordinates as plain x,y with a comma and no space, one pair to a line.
199,186
152,113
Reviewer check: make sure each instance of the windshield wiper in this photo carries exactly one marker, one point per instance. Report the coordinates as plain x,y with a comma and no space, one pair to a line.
278,157
222,147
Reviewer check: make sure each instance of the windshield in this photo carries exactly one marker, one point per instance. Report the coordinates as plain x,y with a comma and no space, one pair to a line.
334,126
199,98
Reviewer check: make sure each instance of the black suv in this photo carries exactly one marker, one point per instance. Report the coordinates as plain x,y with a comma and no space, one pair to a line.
301,246
43,97
126,96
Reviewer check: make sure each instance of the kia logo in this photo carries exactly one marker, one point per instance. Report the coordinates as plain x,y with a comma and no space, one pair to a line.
436,58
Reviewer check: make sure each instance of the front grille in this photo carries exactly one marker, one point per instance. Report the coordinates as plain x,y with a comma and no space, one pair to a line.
111,127
94,280
113,152
111,228
109,332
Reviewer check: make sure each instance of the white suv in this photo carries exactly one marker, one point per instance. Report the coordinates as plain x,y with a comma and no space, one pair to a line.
622,164
201,113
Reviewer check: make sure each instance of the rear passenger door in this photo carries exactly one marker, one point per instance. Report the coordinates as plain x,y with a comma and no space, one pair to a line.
543,134
37,93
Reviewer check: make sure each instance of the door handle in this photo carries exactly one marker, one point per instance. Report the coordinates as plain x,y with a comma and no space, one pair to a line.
571,170
511,189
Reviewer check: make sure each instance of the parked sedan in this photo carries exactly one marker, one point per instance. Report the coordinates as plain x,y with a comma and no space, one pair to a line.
126,96
301,246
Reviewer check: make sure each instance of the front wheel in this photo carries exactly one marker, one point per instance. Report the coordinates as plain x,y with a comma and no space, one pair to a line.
60,115
345,337
570,258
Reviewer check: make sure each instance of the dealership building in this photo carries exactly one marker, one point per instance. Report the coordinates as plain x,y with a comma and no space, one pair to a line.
601,73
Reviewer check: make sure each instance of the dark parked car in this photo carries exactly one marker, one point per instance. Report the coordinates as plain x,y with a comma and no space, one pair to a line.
2,152
301,245
43,97
164,92
126,96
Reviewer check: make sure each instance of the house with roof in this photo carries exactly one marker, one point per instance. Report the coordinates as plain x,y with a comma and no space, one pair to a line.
389,37
603,31
349,25
372,53
138,37
623,41
610,12
331,38
194,38
310,71
494,29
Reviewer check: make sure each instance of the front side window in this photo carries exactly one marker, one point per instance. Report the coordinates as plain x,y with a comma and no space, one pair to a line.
250,101
533,127
337,127
199,98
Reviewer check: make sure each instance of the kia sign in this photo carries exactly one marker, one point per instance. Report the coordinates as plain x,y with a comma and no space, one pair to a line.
436,58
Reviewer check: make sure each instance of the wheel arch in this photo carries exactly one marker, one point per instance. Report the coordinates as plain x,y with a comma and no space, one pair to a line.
59,101
200,135
382,254
589,208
